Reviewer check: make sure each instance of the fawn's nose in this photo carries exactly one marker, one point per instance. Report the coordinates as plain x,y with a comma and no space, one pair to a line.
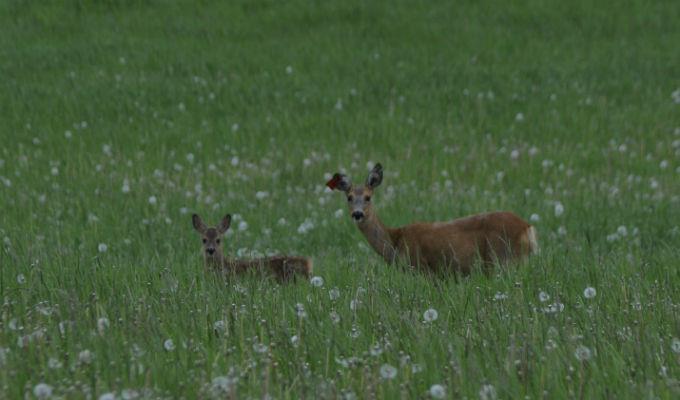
210,250
357,215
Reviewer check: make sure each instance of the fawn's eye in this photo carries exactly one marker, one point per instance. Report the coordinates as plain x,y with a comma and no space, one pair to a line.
367,198
350,198
205,240
218,241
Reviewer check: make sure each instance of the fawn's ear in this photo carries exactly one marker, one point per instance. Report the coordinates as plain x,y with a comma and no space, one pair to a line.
339,182
224,224
198,223
375,176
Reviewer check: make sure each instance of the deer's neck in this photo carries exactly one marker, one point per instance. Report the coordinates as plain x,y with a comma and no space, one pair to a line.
380,237
215,261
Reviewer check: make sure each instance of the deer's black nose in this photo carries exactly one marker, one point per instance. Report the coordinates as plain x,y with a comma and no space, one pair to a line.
210,250
357,215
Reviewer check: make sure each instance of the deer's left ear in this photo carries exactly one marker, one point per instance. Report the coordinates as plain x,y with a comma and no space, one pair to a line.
375,176
198,224
224,224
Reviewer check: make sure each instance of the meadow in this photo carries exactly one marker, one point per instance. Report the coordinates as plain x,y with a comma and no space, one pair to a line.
119,119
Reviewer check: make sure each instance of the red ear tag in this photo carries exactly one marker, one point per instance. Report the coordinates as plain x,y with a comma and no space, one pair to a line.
333,183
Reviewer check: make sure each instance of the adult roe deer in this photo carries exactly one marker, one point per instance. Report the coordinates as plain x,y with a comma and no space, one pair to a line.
438,247
282,268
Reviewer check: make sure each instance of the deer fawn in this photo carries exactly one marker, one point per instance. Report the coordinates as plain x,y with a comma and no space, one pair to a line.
438,247
282,268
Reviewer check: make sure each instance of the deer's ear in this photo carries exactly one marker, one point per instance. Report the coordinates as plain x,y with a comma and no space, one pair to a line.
375,176
224,224
339,182
198,223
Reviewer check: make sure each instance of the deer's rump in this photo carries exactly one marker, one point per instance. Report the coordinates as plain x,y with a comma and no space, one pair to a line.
442,246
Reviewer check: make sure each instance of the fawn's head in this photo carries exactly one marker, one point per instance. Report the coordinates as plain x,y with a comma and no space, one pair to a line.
358,196
211,236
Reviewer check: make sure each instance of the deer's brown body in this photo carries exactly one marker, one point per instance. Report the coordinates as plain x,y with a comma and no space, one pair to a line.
283,268
439,247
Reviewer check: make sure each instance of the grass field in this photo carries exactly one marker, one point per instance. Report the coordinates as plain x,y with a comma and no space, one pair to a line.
120,119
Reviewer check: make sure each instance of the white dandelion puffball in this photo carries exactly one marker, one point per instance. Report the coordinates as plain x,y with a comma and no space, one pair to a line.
430,315
21,279
534,218
42,391
543,297
437,392
102,324
242,226
153,200
487,392
582,353
559,209
107,396
102,247
589,292
388,372
295,340
85,356
316,281
675,345
169,345
334,294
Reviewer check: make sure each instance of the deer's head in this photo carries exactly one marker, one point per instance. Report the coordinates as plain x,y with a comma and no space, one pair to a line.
358,196
211,236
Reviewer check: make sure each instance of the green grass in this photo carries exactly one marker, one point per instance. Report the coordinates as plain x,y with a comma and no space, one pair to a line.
203,104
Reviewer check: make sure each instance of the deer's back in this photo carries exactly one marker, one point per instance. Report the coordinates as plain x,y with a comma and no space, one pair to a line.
457,244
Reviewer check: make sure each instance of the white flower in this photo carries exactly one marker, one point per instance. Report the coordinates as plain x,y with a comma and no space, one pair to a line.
582,353
21,279
282,222
107,396
219,326
305,227
316,281
514,155
190,157
153,200
534,218
675,345
559,209
169,345
487,392
260,348
242,226
234,128
234,160
430,315
53,363
519,117
55,171
222,385
68,134
102,247
42,391
335,317
622,231
589,292
437,391
289,70
388,372
126,186
500,296
295,340
300,310
334,293
85,356
102,324
543,297
339,212
261,195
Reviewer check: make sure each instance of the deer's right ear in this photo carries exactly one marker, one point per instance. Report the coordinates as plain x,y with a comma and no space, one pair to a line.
375,176
339,182
198,223
224,224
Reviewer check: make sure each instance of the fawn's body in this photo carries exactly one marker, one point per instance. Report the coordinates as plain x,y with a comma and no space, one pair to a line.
282,268
438,247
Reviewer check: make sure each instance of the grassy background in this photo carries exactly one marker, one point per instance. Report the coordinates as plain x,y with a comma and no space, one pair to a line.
470,106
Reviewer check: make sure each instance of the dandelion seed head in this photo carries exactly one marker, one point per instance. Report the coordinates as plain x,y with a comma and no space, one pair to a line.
388,372
589,292
430,315
42,391
582,353
437,391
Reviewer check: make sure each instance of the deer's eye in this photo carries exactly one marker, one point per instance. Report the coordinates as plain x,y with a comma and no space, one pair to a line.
367,198
205,240
218,241
350,198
